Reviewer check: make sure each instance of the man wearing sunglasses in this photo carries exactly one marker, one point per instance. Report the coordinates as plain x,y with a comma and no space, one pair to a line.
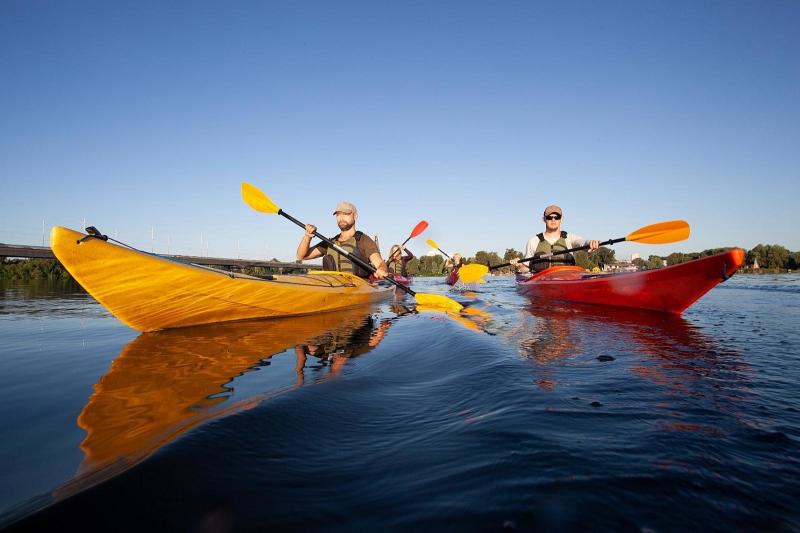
552,240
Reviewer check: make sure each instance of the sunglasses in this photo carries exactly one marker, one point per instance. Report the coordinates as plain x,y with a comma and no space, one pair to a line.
554,216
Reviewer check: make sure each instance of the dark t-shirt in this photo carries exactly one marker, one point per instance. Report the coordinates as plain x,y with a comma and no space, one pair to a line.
366,245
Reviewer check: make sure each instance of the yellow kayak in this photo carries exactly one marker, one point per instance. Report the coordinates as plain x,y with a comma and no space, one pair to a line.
148,292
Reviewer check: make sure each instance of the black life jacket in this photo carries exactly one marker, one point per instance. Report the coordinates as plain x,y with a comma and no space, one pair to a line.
545,247
333,260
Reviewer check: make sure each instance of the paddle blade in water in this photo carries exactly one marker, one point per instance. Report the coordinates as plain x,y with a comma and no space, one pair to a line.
256,199
438,302
432,244
472,272
661,233
418,229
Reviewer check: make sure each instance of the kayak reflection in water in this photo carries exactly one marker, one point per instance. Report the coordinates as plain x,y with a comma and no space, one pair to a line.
163,384
664,349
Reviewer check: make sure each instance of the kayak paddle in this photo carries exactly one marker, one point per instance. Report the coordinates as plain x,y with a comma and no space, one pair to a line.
660,233
419,228
467,273
259,201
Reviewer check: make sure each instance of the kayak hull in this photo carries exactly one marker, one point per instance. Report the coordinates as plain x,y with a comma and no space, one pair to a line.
402,280
150,293
452,279
668,290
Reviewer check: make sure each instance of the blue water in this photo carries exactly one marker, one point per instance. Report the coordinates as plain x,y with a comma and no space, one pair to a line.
521,417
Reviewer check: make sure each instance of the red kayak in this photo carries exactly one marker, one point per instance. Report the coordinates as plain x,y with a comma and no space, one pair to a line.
402,280
668,290
452,279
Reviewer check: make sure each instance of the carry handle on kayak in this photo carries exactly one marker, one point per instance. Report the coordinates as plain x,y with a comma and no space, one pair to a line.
660,233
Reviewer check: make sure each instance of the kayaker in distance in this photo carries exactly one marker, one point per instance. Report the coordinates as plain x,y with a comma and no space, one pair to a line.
396,264
355,242
453,267
455,264
553,239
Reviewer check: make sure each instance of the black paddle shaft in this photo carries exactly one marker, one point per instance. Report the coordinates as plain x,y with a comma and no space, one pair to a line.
344,252
545,257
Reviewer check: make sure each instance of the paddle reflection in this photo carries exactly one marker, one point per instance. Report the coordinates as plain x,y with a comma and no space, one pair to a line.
166,383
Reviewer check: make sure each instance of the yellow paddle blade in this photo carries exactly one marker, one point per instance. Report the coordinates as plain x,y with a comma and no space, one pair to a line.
437,302
259,201
661,233
432,243
472,272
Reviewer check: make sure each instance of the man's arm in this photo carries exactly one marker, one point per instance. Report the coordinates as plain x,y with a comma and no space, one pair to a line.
380,266
304,250
522,267
575,241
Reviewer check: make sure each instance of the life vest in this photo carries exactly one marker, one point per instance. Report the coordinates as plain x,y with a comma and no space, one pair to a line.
333,260
397,266
545,247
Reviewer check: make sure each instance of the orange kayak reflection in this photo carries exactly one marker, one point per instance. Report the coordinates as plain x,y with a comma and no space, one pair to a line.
163,384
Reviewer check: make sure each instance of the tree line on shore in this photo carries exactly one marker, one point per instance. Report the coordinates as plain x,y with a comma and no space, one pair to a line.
770,257
33,269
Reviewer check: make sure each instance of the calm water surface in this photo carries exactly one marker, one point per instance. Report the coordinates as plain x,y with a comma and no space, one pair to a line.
518,417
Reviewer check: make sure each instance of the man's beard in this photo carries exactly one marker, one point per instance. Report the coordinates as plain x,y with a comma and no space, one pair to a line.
344,226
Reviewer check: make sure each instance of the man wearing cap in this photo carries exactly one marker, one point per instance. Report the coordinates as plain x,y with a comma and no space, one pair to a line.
354,242
551,241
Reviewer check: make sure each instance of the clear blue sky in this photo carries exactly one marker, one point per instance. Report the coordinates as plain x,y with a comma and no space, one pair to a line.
472,115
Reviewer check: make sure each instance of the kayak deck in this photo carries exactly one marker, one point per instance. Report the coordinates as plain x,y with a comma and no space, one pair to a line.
669,290
149,293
